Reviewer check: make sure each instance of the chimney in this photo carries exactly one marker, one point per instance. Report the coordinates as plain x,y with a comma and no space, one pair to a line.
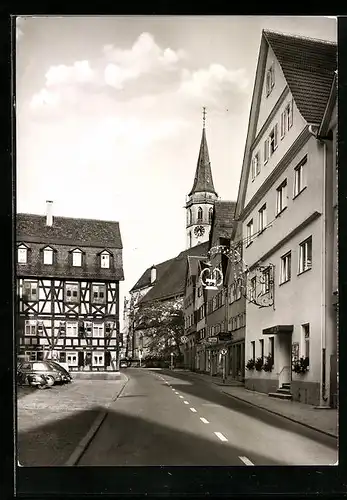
153,274
49,216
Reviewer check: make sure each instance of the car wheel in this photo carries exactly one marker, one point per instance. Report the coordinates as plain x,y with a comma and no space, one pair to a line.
50,380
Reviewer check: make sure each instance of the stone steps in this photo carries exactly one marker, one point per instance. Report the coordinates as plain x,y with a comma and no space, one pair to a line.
283,392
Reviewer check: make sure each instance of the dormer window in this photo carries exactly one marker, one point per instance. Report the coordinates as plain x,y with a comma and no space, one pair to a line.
105,260
22,254
77,257
48,256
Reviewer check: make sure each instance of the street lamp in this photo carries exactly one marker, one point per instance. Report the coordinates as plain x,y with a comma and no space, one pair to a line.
172,357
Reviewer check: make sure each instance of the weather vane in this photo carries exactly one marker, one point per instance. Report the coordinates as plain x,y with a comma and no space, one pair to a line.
203,116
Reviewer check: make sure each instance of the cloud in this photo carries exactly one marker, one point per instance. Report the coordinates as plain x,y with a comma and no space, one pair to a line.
213,81
79,72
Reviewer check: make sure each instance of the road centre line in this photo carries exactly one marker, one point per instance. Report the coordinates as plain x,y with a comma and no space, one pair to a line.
193,410
220,436
246,461
186,402
181,397
204,420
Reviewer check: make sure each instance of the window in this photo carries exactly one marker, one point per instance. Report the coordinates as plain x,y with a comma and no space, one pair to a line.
305,255
105,260
98,359
77,258
22,255
48,256
270,79
299,177
71,358
30,327
189,216
286,119
71,292
190,238
98,293
199,214
210,214
30,290
262,218
281,197
266,281
306,339
261,342
98,330
285,272
72,328
272,347
249,232
253,349
255,166
273,140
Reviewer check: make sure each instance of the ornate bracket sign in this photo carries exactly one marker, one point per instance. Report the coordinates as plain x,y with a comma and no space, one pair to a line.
211,279
257,285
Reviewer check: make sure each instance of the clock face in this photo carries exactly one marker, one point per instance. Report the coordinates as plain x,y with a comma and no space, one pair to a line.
199,230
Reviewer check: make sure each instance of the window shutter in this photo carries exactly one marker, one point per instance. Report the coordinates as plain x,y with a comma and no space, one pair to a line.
266,150
276,136
282,124
291,114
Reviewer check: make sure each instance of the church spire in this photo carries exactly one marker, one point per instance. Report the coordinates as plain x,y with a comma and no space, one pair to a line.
203,181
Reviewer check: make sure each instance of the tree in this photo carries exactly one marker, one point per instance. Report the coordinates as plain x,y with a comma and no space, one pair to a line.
161,325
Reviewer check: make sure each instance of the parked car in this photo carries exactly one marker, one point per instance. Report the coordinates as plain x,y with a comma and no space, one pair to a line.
66,375
123,363
53,374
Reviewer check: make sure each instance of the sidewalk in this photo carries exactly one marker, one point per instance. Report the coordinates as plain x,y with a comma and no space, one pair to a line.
323,420
52,424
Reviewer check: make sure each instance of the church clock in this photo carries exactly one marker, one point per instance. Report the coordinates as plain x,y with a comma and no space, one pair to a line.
199,231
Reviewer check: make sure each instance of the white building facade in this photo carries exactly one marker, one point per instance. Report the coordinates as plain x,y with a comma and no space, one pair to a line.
283,210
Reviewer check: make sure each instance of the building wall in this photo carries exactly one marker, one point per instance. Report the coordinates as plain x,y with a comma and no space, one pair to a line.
268,102
283,145
50,314
310,200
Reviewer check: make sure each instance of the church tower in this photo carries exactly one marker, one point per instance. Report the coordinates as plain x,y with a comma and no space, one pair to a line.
200,200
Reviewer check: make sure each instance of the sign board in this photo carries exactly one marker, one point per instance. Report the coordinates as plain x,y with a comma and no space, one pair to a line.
184,339
224,351
213,340
225,336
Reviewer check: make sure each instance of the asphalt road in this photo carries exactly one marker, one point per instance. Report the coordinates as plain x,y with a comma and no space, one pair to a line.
170,418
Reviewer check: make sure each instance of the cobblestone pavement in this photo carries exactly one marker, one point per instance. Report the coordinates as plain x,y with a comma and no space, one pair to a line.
51,422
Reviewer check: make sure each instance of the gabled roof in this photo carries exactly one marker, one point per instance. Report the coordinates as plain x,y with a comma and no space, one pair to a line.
145,280
67,230
203,181
308,66
172,282
223,219
193,264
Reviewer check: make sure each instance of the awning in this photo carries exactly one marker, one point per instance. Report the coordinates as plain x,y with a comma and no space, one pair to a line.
274,330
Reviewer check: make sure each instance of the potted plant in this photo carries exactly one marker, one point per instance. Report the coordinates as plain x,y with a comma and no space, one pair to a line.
301,365
258,364
250,364
268,363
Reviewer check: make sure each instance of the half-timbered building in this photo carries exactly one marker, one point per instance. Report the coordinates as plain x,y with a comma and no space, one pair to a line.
68,274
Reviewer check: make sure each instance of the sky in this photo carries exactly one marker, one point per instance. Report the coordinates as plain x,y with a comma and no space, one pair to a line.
109,117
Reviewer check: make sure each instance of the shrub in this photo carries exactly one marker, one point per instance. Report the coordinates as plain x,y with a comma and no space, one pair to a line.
268,363
301,365
258,364
250,364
